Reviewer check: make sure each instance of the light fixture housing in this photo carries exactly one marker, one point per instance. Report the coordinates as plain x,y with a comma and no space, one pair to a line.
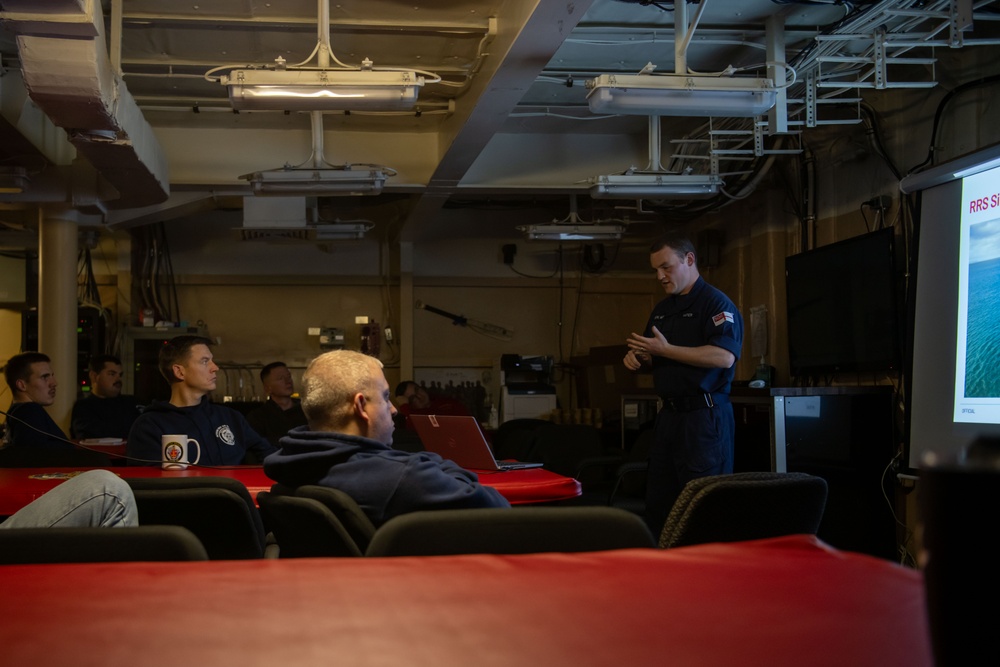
680,95
13,180
318,182
313,233
655,185
341,231
573,232
321,89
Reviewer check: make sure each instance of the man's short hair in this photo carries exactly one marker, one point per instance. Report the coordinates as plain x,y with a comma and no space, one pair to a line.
404,385
97,362
264,372
330,382
176,351
19,367
679,243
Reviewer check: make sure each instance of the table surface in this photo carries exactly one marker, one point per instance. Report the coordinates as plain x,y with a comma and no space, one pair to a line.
786,601
19,486
115,452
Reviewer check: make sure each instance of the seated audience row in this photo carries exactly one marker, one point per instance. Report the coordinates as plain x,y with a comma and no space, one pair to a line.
346,442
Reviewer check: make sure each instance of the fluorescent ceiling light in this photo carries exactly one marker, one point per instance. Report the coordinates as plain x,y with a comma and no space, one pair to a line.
573,232
654,186
341,231
321,89
317,182
680,95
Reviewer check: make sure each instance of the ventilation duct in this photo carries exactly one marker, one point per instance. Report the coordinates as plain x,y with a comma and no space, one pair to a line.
69,76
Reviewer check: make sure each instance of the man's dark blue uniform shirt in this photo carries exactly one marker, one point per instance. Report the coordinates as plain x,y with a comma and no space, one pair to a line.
703,316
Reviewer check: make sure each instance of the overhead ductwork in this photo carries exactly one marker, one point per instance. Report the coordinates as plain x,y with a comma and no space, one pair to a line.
68,75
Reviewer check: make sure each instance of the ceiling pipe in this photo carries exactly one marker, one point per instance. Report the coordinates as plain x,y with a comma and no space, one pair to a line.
323,59
684,33
655,145
323,33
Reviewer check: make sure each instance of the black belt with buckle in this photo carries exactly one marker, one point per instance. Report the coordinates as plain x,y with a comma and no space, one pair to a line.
697,402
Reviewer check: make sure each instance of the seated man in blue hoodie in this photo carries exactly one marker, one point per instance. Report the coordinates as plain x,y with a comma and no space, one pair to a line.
347,445
224,436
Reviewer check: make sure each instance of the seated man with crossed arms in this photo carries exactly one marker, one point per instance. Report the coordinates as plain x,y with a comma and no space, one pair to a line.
281,413
105,412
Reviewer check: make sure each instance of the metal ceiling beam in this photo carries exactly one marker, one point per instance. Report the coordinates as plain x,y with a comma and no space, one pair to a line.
528,37
304,23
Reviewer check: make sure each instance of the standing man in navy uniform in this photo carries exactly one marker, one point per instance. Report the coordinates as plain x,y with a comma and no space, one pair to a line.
692,342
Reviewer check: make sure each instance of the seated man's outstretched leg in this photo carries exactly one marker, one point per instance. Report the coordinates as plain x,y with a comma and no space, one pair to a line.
96,498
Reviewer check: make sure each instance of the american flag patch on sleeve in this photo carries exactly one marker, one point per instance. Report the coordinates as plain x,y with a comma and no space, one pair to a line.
722,318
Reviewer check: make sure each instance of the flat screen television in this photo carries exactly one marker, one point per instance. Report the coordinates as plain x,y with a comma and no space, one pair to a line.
842,306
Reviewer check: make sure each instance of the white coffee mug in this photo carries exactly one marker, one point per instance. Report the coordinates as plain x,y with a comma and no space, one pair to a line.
175,452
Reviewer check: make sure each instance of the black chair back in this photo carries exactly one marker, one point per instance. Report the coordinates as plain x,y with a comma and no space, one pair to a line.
629,489
305,528
218,510
351,516
19,546
577,451
517,530
562,447
745,506
513,438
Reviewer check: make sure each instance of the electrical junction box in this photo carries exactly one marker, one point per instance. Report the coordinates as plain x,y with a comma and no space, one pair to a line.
331,338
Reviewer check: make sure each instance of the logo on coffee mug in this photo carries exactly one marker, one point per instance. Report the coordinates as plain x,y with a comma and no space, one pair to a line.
173,452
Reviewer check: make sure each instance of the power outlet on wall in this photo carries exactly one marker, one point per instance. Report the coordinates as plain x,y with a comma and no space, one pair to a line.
509,250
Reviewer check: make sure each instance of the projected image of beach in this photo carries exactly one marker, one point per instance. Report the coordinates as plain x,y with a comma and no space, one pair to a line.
982,379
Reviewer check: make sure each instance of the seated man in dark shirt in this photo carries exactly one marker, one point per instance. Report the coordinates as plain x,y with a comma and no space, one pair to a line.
33,437
347,445
281,413
223,434
105,412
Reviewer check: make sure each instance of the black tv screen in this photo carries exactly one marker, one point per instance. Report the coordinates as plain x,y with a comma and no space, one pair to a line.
842,309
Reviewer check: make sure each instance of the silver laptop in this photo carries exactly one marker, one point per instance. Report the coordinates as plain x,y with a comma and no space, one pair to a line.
460,439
